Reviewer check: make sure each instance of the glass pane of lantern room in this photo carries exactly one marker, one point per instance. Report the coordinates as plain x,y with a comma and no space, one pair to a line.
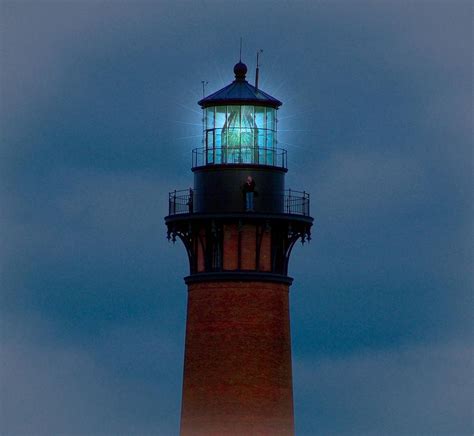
232,127
220,137
260,133
259,117
233,124
220,116
220,134
270,149
247,134
209,146
261,138
248,121
210,117
270,119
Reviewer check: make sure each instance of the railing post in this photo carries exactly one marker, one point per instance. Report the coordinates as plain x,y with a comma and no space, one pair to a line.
304,203
174,202
289,201
190,201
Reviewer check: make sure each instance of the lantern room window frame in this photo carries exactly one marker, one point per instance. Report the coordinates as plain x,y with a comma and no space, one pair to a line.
240,134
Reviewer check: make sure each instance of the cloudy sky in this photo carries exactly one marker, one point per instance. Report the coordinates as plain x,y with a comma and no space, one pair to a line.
98,119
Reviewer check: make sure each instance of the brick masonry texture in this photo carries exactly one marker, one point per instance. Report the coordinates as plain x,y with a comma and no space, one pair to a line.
249,236
231,242
237,369
265,252
200,251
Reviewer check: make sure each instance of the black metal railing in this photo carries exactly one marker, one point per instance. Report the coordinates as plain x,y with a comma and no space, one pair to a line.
275,157
180,202
294,202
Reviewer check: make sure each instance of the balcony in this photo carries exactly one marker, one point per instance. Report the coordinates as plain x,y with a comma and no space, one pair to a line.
238,155
180,202
290,202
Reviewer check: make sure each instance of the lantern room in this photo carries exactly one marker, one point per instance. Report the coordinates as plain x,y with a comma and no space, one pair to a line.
240,125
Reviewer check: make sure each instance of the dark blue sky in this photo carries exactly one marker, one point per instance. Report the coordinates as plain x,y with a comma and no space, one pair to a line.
98,119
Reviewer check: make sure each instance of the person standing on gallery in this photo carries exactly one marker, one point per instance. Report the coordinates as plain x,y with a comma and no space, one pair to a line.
249,191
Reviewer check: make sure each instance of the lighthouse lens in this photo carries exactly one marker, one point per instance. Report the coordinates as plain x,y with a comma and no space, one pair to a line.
240,134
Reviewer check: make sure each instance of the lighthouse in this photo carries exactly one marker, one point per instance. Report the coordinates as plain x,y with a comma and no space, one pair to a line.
238,224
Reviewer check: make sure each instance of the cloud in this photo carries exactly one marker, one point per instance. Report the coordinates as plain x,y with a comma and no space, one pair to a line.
122,384
369,184
419,390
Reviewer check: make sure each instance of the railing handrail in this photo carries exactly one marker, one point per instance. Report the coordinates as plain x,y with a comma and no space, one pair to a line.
289,191
293,191
278,158
180,192
294,202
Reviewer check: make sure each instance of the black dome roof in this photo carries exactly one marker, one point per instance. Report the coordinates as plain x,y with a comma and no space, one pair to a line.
240,92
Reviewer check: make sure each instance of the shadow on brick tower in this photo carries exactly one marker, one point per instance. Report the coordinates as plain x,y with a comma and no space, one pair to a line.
238,236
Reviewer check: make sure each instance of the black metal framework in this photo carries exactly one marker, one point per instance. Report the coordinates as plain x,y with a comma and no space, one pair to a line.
204,234
238,276
180,201
228,155
294,202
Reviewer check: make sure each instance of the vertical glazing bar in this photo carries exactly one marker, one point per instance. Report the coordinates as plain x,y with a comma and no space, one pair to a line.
275,143
239,124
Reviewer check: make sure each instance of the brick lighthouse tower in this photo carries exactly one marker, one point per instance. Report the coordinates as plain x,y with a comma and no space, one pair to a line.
239,225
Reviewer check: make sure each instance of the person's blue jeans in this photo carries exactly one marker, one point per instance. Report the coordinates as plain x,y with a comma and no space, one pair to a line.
249,200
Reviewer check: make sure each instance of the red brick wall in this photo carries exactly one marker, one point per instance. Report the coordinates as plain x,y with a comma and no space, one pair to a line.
200,250
249,238
237,369
231,241
265,252
248,244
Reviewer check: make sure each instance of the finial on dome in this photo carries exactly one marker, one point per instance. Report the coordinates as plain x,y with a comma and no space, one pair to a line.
240,70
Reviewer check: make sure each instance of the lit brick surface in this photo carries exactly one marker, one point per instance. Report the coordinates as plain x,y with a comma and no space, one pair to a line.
248,236
231,241
200,250
265,252
237,372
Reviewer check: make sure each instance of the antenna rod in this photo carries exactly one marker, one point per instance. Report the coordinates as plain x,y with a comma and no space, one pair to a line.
204,83
257,70
240,55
